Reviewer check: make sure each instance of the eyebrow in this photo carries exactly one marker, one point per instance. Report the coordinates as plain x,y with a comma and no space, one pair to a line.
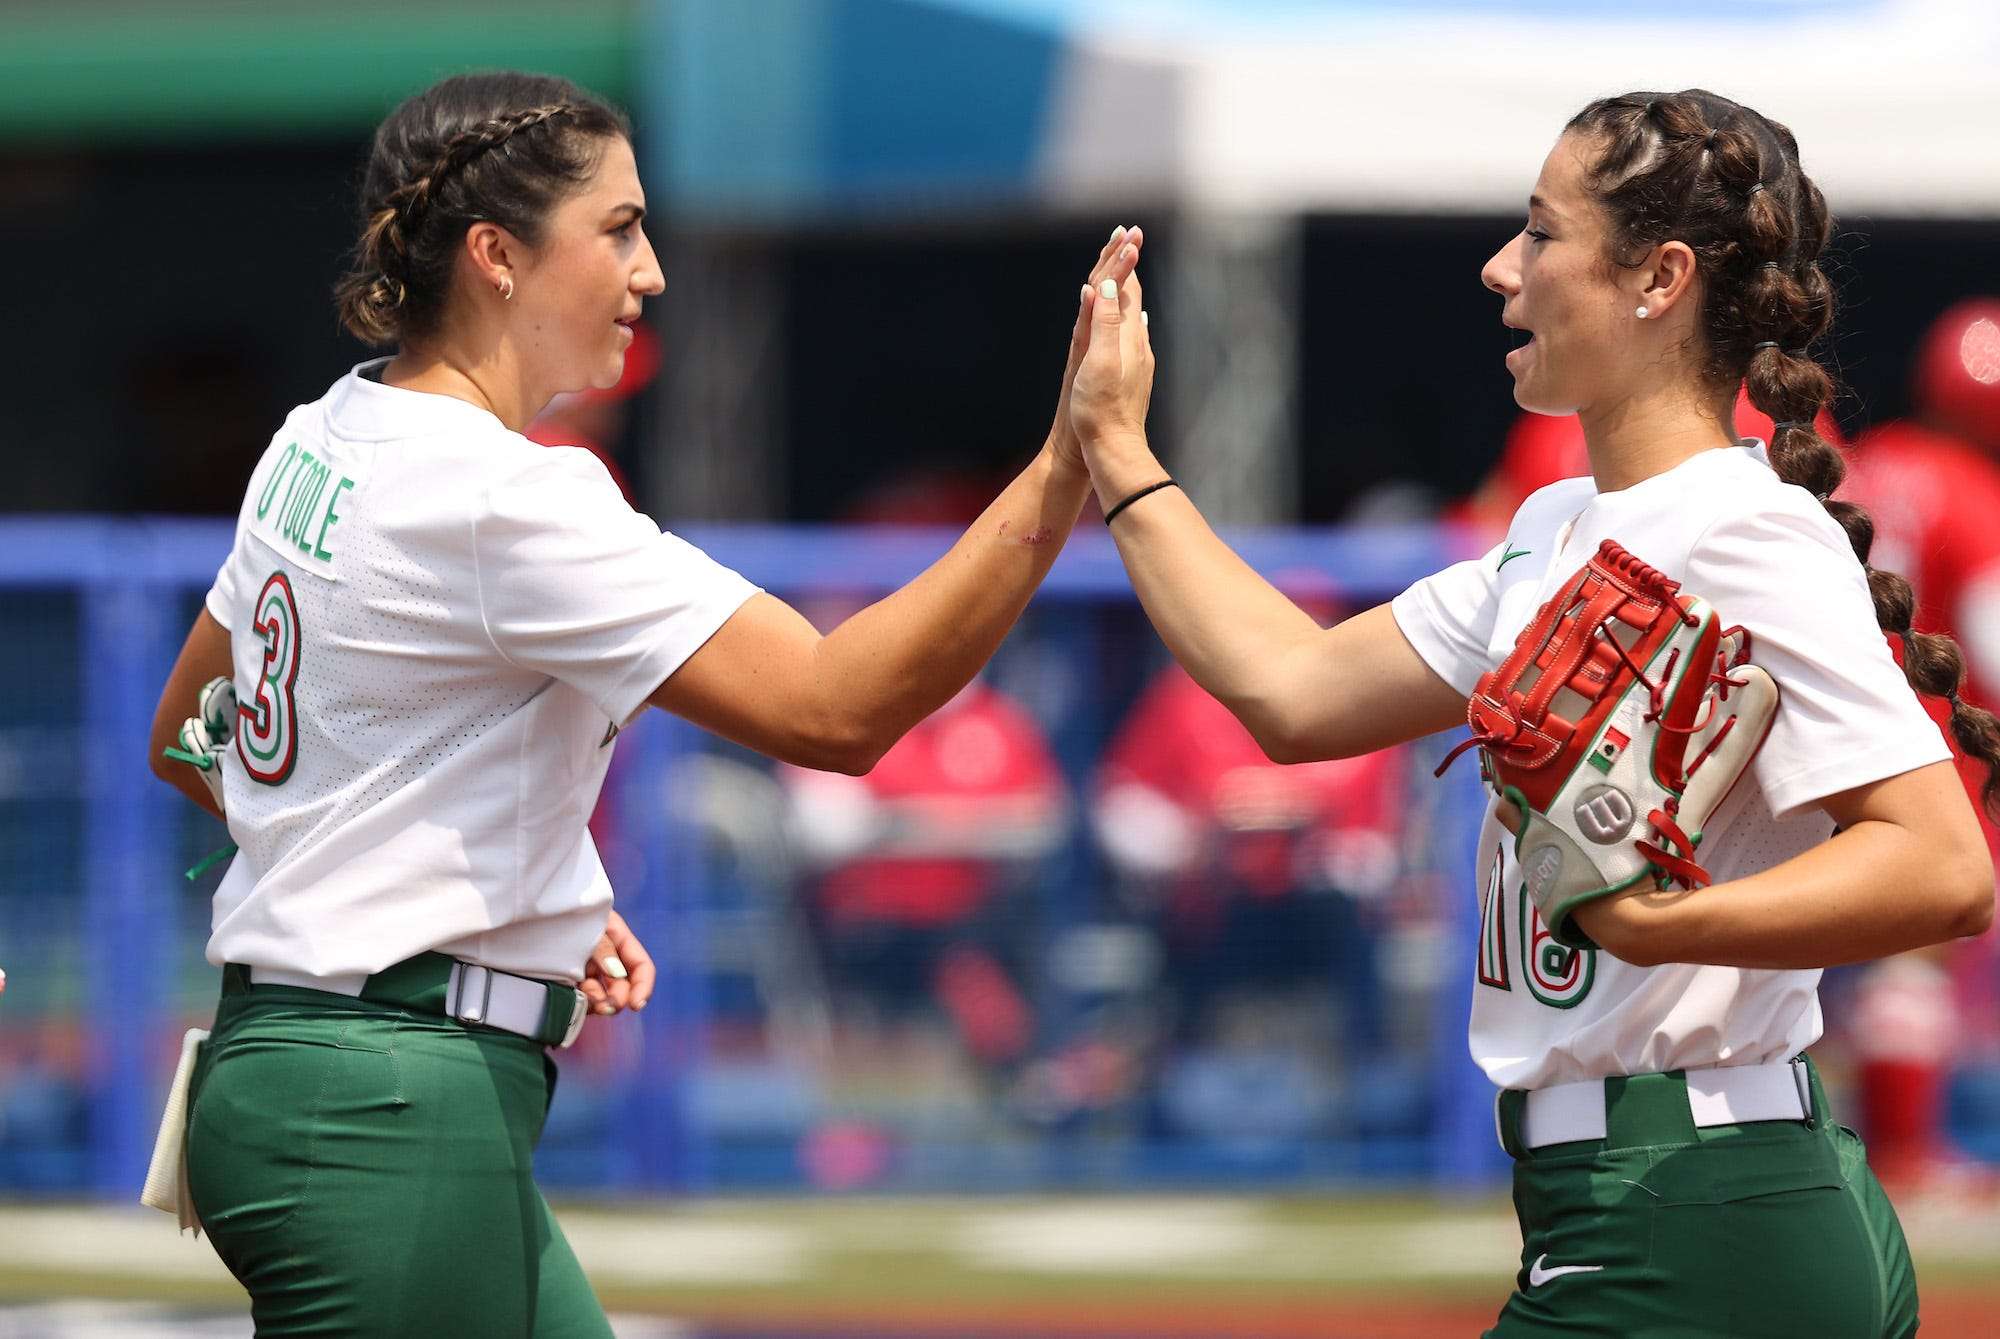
636,211
1537,202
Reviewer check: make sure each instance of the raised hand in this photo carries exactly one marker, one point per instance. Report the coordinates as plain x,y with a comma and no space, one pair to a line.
1115,262
1114,380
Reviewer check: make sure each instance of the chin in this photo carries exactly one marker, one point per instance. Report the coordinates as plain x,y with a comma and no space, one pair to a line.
1536,400
609,370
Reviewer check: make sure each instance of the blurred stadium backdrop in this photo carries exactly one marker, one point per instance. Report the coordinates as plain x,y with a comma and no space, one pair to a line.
1209,1083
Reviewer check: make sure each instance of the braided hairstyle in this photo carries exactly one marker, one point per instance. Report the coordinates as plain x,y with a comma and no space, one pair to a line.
503,147
1726,180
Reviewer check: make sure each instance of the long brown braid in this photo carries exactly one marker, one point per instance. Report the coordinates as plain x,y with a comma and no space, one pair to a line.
1726,180
503,147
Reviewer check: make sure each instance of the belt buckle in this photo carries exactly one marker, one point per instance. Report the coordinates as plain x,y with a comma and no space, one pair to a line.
475,1013
577,1014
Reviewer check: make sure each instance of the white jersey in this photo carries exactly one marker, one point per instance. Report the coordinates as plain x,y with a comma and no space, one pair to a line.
438,627
1766,555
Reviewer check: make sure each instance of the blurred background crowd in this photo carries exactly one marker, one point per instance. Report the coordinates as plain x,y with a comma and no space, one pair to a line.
1074,930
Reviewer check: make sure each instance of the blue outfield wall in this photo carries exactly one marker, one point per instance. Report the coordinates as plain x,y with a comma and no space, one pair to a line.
101,934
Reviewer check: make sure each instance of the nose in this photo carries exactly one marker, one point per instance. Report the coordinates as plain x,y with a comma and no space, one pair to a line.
1502,272
647,281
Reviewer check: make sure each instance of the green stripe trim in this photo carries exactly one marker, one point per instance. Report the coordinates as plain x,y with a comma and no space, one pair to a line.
125,73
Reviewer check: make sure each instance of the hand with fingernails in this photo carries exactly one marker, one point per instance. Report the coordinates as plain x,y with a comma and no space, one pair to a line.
1113,385
1115,264
620,973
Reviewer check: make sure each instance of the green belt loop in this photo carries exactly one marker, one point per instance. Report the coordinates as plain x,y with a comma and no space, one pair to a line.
557,1009
1821,1114
414,983
1513,1102
1646,1109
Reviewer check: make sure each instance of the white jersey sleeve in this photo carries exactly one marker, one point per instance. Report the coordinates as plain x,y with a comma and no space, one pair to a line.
1846,715
223,596
574,584
1448,618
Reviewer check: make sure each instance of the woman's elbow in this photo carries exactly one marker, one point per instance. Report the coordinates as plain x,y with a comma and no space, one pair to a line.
1278,733
1973,907
853,760
850,747
1278,745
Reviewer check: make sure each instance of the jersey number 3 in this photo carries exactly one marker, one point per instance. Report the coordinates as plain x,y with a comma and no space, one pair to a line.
267,726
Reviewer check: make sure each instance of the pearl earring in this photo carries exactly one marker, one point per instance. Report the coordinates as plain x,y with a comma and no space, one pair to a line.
1640,313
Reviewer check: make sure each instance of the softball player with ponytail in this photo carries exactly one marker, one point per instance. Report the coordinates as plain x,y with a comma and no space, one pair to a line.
435,629
1677,1171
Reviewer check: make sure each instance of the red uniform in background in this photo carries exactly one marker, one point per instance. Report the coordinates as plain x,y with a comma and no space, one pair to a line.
1932,488
1259,865
1539,450
913,854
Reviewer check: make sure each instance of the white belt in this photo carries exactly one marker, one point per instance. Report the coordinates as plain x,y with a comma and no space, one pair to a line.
472,994
1726,1095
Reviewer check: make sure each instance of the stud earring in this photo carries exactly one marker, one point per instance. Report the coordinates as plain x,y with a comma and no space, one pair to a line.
506,287
1640,313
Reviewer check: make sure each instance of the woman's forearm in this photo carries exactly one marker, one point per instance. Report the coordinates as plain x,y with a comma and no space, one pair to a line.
1874,889
1227,626
903,657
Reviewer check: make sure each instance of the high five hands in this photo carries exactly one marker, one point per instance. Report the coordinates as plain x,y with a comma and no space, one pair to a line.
1108,380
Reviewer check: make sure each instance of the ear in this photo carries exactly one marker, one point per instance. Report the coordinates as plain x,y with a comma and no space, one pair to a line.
1665,277
494,252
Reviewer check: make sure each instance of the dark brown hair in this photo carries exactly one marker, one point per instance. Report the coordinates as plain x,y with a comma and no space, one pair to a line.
1712,173
504,147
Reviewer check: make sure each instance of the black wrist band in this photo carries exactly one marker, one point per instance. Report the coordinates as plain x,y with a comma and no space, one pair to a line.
1134,497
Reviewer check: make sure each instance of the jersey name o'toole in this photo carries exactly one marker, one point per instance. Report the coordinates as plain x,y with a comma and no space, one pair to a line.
299,504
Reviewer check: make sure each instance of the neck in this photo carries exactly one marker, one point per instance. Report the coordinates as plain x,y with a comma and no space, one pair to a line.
1650,432
485,376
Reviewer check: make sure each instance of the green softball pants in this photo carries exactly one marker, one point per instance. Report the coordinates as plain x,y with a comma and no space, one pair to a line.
1771,1230
366,1171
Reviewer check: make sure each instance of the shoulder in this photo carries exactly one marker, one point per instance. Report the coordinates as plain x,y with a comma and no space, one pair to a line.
1748,504
1550,507
518,475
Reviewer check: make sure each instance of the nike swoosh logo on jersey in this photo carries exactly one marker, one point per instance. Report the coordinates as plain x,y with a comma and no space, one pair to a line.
1537,1276
1510,555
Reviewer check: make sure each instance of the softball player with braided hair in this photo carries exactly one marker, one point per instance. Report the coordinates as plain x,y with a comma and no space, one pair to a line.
1710,779
434,629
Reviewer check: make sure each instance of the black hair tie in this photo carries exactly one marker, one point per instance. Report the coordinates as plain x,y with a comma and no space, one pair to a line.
1771,265
1752,192
1130,498
1783,423
1761,345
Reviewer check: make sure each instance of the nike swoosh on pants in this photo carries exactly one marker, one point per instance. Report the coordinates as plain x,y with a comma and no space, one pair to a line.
1537,1275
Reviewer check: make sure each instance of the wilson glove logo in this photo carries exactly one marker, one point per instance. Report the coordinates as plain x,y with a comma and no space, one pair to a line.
1605,814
